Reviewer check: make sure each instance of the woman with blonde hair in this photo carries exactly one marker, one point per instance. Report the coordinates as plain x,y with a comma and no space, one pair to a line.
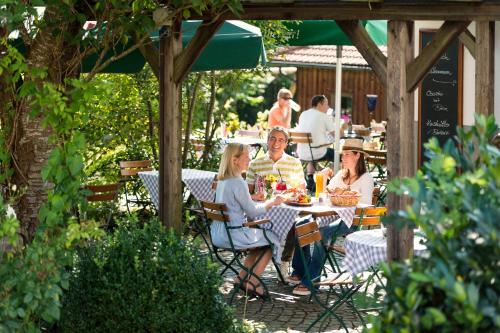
233,191
281,112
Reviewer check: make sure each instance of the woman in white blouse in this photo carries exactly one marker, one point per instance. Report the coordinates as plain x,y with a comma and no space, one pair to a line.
353,175
233,191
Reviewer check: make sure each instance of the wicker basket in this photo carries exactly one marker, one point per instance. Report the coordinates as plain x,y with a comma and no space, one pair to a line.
344,199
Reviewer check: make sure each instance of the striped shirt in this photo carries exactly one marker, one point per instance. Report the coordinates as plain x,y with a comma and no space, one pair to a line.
289,167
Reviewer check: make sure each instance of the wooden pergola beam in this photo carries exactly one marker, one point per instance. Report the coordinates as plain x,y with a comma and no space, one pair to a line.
341,10
400,129
170,128
419,67
367,47
468,39
485,66
186,59
151,54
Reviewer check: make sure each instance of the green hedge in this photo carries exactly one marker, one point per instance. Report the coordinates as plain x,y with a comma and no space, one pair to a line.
144,280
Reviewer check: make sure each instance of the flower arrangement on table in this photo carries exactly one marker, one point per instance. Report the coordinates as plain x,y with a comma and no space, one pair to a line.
270,182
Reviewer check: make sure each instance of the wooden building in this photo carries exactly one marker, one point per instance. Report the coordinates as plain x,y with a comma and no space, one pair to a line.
316,75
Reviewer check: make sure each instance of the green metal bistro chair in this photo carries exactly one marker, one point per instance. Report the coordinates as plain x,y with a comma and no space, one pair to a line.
134,191
106,194
197,225
306,138
339,286
217,212
365,218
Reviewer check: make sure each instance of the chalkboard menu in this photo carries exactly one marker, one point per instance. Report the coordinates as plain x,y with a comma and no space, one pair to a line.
440,95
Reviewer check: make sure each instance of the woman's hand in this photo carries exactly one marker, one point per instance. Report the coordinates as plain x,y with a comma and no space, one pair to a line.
278,200
258,196
328,172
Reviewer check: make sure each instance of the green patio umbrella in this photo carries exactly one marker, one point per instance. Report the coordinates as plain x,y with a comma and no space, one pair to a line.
327,32
236,45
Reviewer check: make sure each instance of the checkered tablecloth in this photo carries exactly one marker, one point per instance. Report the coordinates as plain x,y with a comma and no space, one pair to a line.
199,183
283,217
151,180
366,248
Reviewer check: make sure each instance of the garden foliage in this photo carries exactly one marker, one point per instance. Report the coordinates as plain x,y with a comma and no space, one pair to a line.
144,280
33,276
456,204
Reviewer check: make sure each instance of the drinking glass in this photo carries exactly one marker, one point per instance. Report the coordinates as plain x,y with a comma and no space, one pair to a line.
319,178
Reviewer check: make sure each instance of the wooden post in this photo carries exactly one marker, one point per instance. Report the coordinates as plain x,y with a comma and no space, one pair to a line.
485,48
170,129
400,134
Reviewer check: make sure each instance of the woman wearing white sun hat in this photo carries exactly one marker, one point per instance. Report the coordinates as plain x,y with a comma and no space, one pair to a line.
353,175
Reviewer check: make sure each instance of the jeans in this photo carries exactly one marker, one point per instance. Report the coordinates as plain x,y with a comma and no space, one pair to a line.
316,260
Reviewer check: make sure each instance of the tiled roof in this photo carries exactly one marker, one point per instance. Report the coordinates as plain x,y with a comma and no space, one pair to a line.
320,55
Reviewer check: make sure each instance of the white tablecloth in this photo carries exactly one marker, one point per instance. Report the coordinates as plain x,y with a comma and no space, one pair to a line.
367,248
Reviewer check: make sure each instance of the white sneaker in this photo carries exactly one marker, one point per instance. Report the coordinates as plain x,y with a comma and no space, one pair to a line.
301,290
284,269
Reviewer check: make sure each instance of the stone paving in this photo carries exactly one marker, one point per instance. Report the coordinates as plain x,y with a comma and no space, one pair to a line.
287,312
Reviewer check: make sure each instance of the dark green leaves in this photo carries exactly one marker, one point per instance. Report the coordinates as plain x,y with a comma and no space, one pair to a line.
454,288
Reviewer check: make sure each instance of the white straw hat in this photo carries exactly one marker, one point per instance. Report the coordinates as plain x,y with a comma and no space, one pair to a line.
354,145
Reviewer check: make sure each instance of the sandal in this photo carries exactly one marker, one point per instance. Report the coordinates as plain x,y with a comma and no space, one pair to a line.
252,291
301,290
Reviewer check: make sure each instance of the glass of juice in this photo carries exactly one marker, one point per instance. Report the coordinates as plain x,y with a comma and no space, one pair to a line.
319,178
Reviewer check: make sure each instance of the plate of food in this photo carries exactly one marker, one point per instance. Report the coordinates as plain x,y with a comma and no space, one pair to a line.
293,203
297,197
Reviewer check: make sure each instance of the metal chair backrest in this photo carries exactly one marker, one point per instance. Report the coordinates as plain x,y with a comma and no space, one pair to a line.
131,168
369,217
107,192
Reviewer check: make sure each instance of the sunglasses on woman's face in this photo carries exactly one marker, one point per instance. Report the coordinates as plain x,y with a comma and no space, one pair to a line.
286,98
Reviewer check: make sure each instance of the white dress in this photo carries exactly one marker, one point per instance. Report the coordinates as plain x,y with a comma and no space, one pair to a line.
363,185
234,193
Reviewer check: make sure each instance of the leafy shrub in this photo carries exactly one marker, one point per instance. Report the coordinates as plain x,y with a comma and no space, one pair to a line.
456,197
144,280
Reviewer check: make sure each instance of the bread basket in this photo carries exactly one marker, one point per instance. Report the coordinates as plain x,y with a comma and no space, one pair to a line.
345,199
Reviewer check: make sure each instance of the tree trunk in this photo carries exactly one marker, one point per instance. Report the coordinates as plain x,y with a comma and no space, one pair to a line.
208,128
189,121
33,148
